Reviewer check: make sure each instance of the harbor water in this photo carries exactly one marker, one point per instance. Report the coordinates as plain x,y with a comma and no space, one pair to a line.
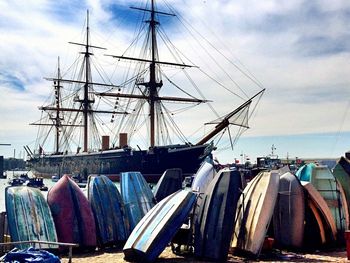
10,174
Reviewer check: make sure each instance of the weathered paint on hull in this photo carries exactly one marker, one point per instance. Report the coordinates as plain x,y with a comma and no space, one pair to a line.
203,177
170,182
29,216
324,181
318,201
254,211
72,213
137,197
158,226
215,221
108,208
342,172
289,214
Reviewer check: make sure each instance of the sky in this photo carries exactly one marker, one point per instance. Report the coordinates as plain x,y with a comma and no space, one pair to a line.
298,50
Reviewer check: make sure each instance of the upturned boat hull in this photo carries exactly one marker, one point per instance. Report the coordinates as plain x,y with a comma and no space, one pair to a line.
137,197
254,211
170,182
108,208
215,221
29,216
72,213
324,181
158,226
289,214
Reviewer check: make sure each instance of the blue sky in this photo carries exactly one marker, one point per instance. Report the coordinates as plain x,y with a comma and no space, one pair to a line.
299,50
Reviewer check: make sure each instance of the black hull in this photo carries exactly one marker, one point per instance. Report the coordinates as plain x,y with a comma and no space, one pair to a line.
111,163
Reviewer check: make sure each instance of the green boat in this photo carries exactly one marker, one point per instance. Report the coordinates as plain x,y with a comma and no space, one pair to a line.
29,216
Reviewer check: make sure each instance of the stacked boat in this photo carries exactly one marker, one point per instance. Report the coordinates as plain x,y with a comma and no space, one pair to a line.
214,216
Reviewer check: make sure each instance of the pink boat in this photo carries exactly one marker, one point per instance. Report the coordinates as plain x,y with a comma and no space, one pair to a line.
72,213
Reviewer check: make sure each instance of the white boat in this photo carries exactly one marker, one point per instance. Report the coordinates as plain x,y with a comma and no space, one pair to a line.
254,211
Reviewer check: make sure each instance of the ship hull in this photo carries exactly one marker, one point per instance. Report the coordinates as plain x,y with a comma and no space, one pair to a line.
151,163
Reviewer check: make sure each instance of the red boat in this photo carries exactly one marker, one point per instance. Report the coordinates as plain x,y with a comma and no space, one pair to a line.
72,213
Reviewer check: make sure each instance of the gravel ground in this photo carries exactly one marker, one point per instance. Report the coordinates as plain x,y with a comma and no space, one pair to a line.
116,255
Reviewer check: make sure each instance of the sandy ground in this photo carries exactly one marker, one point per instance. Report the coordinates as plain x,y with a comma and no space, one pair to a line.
116,255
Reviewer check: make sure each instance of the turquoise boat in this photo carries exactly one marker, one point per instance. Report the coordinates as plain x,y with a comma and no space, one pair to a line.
215,221
107,205
137,197
324,181
158,226
170,182
29,216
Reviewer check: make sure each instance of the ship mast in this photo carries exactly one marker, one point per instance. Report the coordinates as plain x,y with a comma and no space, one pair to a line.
153,85
86,101
57,119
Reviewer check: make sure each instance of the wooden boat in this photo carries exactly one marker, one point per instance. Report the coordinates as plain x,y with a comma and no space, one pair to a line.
289,214
215,221
323,180
72,213
137,197
203,177
107,205
315,226
29,216
170,182
342,173
158,226
315,200
254,211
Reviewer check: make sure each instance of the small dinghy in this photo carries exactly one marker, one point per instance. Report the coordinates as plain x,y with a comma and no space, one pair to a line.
254,211
204,176
158,226
342,173
170,182
325,183
322,213
137,197
289,214
29,216
72,213
108,208
215,221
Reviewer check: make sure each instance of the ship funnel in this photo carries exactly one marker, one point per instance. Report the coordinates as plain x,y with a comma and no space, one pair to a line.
105,143
123,140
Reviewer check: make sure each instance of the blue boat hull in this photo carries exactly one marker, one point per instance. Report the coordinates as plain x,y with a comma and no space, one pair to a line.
215,222
157,228
137,197
108,208
170,182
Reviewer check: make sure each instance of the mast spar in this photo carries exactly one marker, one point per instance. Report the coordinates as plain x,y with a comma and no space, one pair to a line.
57,119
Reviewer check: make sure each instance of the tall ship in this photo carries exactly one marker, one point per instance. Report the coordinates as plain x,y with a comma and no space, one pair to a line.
108,123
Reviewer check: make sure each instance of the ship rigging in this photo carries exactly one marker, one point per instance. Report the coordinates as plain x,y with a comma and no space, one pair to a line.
127,104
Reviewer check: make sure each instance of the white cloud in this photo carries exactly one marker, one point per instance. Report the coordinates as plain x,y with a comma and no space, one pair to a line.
297,49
